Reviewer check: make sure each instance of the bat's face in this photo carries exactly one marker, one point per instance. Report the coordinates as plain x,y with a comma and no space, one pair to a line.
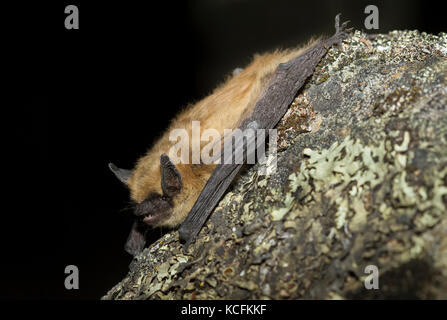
156,202
154,188
154,209
158,207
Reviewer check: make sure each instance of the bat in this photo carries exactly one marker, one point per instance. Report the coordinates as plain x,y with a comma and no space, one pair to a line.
185,194
268,110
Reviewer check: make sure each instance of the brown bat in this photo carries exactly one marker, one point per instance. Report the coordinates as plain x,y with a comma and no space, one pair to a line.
256,97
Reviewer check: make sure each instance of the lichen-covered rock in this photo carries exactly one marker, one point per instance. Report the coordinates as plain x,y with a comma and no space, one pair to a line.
361,180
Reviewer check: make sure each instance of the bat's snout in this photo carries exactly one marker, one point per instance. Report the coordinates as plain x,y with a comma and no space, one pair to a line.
153,210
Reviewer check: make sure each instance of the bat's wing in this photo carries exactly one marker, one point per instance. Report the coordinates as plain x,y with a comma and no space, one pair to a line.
271,106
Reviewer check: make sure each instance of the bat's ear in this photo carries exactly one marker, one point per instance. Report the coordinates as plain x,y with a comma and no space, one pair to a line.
171,180
122,174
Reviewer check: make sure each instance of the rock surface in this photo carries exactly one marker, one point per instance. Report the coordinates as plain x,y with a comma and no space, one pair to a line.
361,180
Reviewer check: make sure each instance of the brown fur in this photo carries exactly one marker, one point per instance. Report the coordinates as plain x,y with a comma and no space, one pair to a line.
225,108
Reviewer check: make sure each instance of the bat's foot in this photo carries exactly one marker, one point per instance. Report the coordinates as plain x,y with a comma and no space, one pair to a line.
186,237
341,32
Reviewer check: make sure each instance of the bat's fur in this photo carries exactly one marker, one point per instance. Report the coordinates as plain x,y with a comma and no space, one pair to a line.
225,108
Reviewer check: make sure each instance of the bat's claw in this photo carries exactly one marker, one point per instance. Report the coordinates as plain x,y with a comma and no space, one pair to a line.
185,248
337,22
186,237
341,32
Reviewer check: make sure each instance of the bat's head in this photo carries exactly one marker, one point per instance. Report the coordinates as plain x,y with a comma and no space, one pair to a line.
154,187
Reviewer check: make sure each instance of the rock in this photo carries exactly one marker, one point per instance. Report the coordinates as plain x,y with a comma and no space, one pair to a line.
361,180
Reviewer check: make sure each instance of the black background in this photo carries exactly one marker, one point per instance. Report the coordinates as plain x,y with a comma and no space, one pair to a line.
83,98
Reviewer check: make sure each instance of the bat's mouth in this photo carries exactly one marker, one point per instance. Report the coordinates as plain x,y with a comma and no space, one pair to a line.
154,209
152,219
